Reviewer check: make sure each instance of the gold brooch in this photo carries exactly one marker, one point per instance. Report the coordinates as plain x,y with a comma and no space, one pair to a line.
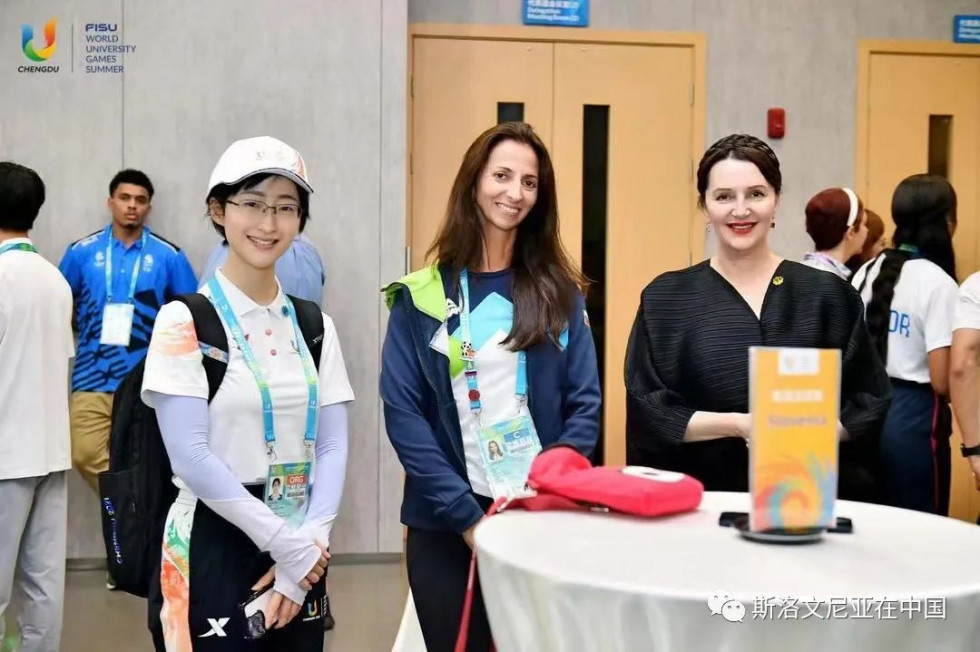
777,280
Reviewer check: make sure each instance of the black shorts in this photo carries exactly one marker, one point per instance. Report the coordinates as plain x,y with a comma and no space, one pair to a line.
222,564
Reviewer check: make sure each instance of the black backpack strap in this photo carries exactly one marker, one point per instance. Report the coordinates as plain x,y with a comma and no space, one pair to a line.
211,336
311,324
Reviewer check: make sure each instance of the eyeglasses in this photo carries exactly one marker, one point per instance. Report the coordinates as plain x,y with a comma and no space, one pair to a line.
255,208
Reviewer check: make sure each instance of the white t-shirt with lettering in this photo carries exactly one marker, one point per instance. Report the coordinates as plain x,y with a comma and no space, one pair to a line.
921,318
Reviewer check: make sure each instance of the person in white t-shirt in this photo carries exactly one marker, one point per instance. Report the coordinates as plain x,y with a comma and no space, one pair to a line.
910,293
275,418
964,358
36,345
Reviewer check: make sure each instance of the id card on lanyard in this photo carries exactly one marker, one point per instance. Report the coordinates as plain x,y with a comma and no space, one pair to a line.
287,486
117,318
508,447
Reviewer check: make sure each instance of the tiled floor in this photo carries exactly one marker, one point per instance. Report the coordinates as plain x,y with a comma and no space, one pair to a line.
366,599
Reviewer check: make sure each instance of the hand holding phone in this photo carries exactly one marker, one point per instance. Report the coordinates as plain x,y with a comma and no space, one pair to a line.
255,610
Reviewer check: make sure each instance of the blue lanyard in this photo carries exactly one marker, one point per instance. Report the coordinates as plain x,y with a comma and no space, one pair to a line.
108,266
469,355
220,301
17,246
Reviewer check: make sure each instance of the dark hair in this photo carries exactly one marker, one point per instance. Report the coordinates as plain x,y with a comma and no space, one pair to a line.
923,207
21,196
876,229
134,177
545,278
741,147
276,481
223,191
826,217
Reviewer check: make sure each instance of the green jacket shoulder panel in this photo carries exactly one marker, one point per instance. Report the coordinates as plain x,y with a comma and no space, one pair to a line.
425,286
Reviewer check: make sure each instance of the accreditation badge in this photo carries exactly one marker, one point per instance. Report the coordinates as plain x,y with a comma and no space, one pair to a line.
117,324
508,449
287,491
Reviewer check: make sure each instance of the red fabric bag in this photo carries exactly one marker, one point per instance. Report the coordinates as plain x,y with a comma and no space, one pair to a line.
563,475
561,478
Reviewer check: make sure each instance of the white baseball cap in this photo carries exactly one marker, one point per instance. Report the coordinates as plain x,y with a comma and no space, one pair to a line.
260,155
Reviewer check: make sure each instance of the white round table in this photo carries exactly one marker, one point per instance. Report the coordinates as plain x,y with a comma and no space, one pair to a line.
569,581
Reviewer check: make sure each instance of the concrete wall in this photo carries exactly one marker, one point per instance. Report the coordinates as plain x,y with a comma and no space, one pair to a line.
327,77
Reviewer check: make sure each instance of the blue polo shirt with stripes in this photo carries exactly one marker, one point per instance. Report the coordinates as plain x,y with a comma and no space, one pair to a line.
164,273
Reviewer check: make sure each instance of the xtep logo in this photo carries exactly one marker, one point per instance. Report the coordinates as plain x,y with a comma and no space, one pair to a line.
27,41
217,627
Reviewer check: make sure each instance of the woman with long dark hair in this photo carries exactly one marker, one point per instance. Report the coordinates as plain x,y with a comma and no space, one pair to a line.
490,343
910,292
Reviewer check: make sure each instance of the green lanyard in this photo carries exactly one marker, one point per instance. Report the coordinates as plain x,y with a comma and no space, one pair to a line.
17,246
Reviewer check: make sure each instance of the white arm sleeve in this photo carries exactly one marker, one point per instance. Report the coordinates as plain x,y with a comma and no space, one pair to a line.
328,477
184,427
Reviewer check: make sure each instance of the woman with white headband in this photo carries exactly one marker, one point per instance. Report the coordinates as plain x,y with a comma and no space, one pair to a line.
910,293
835,220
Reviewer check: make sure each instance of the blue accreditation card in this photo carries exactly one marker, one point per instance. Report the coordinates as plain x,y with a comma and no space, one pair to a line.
287,491
508,448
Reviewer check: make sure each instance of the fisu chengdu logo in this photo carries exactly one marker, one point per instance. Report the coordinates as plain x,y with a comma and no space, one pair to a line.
103,50
39,49
28,44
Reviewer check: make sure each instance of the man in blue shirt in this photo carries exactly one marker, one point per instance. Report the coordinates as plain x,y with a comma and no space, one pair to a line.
120,277
299,270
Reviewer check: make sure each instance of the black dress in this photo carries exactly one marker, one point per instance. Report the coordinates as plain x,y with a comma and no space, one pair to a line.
688,352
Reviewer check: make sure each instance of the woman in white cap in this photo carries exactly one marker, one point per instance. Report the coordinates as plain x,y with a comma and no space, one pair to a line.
279,412
835,220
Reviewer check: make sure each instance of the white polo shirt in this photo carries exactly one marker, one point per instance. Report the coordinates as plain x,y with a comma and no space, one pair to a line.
968,304
921,318
173,366
36,344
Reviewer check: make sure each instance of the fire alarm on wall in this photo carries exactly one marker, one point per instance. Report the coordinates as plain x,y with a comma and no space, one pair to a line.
776,122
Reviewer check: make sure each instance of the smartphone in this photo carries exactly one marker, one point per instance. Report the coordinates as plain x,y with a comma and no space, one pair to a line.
843,524
255,609
727,519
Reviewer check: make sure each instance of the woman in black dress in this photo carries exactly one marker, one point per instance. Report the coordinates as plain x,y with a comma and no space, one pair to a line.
687,364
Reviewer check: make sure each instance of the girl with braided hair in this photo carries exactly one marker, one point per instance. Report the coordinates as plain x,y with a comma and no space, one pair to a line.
687,364
911,296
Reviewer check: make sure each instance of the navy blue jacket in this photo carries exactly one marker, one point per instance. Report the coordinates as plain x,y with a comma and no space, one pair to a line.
420,410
